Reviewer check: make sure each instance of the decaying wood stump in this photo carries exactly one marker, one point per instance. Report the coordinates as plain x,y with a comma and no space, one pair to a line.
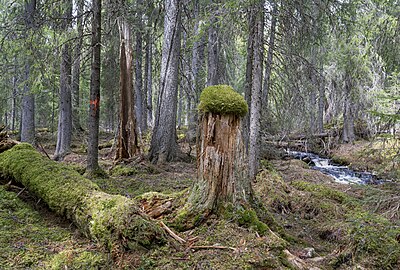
5,141
222,174
112,220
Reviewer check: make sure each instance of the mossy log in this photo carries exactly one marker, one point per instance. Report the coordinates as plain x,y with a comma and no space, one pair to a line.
110,219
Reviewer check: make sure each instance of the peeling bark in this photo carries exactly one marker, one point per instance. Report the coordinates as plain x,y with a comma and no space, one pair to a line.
127,136
222,175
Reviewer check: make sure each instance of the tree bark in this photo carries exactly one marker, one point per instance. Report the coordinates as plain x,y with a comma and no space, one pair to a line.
212,53
14,96
197,70
256,89
163,142
321,105
112,220
139,110
270,55
94,105
222,175
127,145
148,83
348,135
76,69
64,130
249,77
28,100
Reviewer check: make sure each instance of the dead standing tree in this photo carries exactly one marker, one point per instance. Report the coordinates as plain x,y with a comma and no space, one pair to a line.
222,174
127,138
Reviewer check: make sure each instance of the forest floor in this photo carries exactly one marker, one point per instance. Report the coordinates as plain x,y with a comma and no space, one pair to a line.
323,224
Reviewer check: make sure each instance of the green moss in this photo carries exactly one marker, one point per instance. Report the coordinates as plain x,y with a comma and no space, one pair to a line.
110,219
374,237
121,170
28,240
322,191
75,259
222,99
340,160
77,167
248,218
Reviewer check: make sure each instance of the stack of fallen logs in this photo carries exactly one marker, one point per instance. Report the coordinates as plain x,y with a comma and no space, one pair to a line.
5,141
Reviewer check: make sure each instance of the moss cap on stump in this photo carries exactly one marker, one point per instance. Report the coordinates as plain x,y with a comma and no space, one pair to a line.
222,99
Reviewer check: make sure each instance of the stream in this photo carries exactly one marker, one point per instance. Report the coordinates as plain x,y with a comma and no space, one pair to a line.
341,174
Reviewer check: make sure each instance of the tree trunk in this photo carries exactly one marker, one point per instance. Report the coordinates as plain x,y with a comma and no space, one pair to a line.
249,77
348,113
76,70
312,100
94,103
149,81
127,145
270,55
28,111
64,130
112,220
256,89
14,96
212,53
138,69
222,175
321,105
28,100
163,142
198,72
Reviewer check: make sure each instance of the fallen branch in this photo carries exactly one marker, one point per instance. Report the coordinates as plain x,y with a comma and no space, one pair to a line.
212,247
172,234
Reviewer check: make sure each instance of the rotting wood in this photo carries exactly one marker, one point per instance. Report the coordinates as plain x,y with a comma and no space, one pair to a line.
160,210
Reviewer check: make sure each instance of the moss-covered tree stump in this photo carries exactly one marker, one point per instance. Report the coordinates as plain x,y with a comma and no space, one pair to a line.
112,220
222,175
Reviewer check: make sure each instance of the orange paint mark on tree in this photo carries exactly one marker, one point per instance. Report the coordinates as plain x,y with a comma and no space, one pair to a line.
95,103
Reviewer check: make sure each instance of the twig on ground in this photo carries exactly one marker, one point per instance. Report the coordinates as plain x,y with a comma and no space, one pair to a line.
172,234
22,190
212,247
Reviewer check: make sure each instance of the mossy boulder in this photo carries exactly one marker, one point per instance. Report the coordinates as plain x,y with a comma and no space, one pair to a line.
222,99
109,219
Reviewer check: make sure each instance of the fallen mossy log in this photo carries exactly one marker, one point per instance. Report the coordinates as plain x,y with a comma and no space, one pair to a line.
112,220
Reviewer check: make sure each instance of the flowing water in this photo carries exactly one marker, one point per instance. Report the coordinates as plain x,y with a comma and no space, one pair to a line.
341,174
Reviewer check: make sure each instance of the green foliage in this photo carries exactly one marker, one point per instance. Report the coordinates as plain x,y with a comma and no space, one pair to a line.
222,99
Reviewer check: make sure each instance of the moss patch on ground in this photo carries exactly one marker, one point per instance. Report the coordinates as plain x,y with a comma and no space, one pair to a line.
339,221
28,240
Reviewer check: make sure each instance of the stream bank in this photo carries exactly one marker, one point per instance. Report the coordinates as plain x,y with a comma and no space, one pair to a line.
340,173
